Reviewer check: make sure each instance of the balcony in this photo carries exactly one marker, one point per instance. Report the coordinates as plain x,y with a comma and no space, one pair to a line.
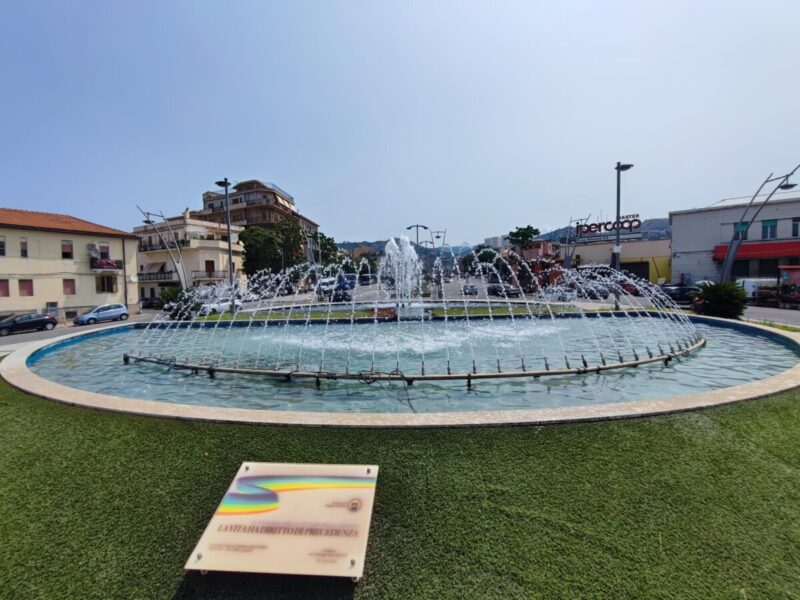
145,247
105,265
165,276
209,275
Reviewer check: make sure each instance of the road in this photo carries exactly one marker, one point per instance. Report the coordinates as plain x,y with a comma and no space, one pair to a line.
15,340
775,315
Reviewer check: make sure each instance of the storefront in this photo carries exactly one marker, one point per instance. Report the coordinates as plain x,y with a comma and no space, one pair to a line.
700,238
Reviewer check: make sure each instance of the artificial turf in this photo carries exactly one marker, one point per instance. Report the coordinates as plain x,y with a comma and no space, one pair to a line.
696,505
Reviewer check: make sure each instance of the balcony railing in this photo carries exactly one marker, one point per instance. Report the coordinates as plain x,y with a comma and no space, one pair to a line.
165,276
104,264
209,274
145,247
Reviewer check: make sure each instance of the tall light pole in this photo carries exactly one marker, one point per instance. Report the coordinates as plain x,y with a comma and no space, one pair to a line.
226,184
418,227
739,234
617,245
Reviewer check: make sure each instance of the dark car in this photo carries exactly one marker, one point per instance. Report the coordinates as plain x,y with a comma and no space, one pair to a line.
495,289
680,294
27,322
470,290
593,291
155,303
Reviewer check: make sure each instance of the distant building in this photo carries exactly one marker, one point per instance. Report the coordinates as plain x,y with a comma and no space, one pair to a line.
498,242
255,202
648,259
198,254
700,238
62,264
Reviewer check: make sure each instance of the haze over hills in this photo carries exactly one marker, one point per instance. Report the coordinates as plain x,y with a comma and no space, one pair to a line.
376,247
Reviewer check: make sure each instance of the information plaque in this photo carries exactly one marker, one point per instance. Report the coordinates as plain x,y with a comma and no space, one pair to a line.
291,518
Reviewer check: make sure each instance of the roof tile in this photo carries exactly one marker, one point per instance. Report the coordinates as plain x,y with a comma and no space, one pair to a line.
28,219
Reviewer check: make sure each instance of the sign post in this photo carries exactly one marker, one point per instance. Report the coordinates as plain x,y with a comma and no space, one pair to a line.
295,519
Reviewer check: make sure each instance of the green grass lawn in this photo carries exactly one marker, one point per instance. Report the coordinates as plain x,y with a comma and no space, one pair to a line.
697,505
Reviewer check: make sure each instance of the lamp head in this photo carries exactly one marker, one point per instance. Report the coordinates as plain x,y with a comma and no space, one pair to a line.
223,184
787,186
623,167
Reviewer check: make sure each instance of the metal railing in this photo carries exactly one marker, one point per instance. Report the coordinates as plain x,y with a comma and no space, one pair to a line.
165,276
144,247
104,264
209,274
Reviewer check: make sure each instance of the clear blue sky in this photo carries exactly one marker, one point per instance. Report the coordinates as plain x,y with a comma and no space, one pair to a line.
472,116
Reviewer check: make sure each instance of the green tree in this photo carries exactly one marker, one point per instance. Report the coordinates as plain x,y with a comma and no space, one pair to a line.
522,237
262,250
484,253
330,251
292,239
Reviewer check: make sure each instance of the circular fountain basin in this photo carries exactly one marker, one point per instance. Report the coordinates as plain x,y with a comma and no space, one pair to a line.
739,362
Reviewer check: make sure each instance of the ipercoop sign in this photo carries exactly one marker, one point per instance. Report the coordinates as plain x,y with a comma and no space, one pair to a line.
626,223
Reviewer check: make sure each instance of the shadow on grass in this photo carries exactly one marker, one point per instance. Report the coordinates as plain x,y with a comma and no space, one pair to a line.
250,585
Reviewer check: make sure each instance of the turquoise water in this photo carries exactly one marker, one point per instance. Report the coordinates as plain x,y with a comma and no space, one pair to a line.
94,363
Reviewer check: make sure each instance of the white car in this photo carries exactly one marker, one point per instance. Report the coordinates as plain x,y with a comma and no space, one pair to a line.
218,307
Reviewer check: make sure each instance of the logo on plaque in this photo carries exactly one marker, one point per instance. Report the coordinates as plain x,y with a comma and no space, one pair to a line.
291,518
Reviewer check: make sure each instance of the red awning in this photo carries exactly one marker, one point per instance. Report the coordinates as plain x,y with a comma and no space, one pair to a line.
760,250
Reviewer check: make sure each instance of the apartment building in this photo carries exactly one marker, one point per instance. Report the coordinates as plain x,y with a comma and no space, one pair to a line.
185,250
63,264
255,202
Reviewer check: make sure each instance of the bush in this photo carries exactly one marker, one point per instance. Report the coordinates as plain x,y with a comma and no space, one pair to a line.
726,300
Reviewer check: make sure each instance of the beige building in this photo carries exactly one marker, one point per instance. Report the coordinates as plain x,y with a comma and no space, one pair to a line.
185,250
255,202
648,259
62,264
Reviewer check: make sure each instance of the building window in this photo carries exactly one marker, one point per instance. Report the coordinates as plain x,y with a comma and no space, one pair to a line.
4,291
769,229
796,227
106,284
66,249
69,287
26,287
105,253
23,247
740,231
2,245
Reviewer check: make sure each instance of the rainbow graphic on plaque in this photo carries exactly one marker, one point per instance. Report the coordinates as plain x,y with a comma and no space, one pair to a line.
260,493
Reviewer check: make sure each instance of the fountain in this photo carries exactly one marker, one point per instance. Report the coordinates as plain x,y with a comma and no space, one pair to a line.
648,328
408,341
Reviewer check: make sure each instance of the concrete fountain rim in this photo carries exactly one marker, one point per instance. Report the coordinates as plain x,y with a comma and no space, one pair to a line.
15,371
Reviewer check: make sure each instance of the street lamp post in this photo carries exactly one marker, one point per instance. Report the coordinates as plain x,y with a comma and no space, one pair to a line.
618,244
226,184
418,227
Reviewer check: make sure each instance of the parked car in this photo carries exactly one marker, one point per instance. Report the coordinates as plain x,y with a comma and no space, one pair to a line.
494,289
219,306
593,291
503,289
154,303
27,322
365,279
469,290
350,280
680,294
104,312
